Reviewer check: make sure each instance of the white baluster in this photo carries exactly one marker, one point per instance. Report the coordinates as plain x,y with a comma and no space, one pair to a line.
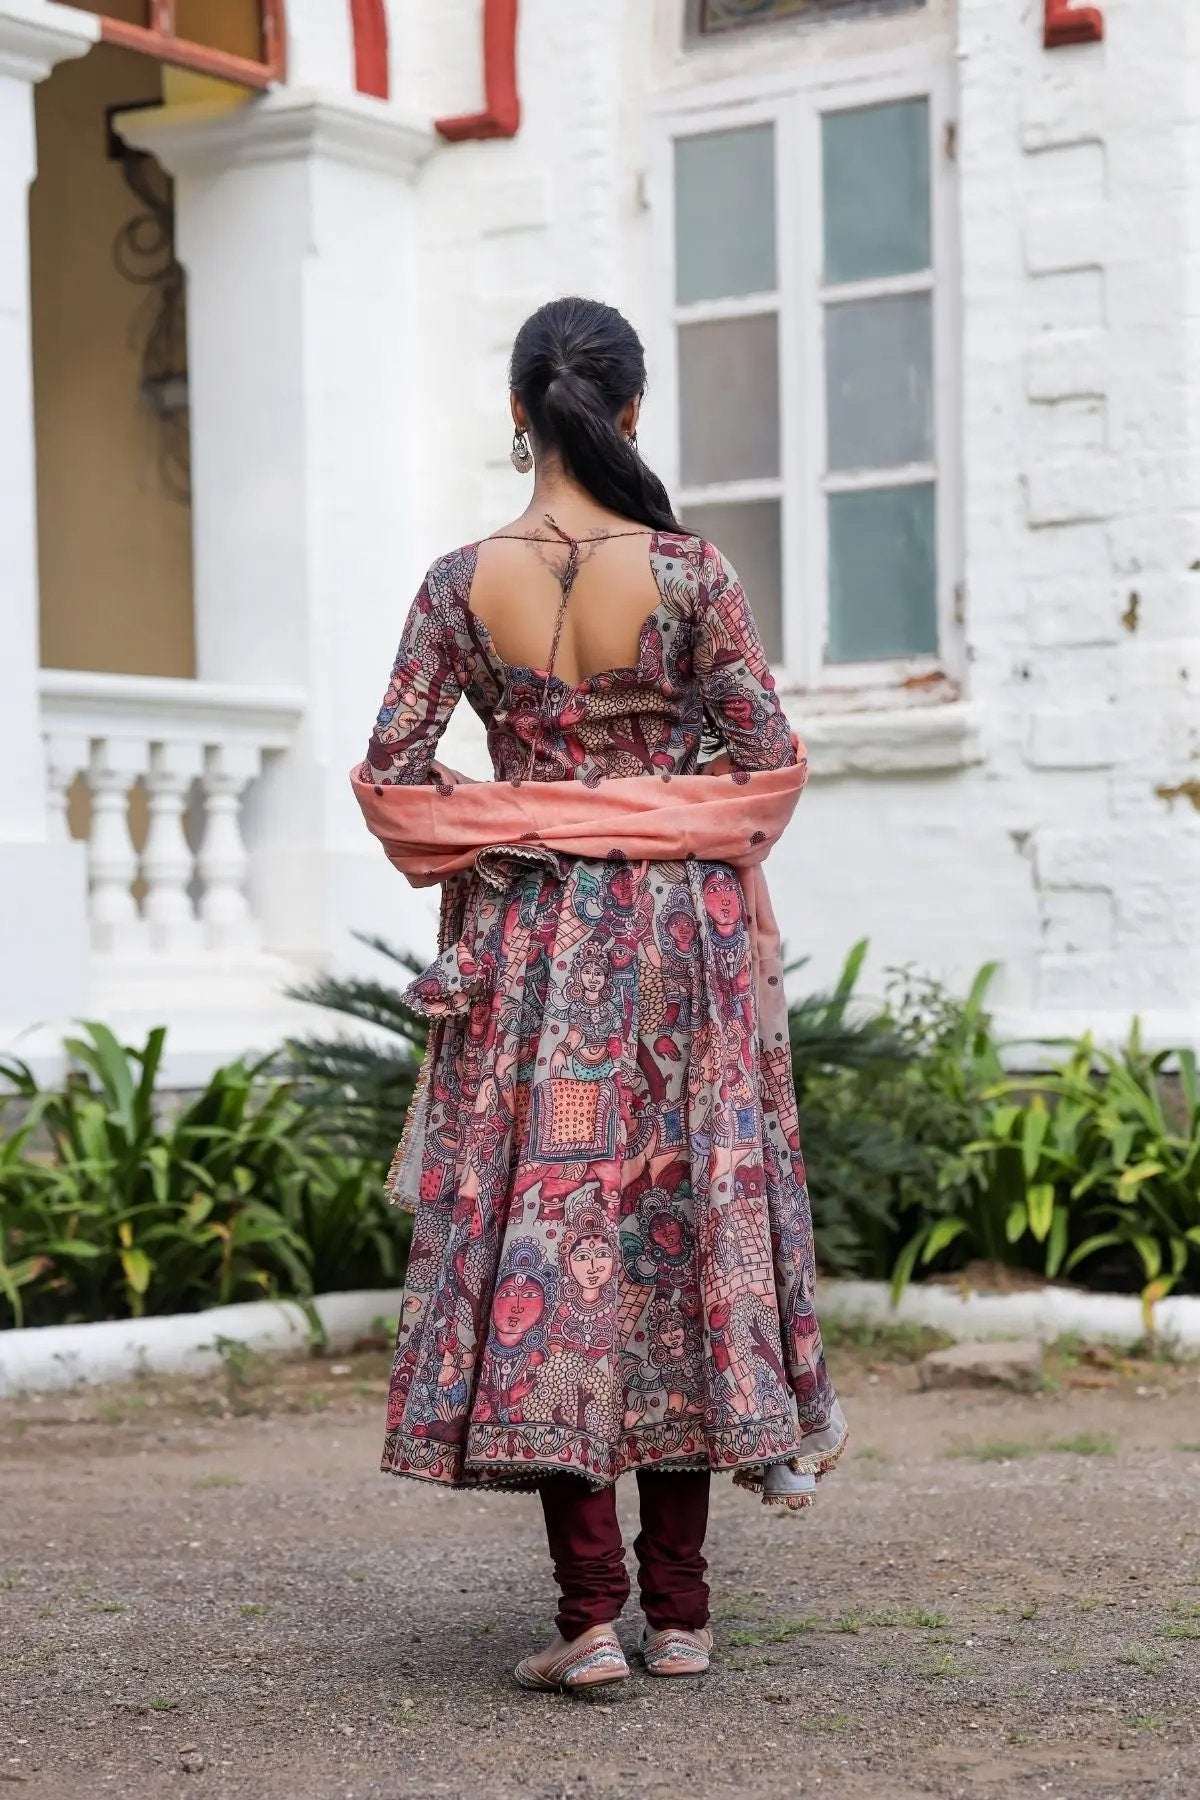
115,765
223,863
66,757
167,860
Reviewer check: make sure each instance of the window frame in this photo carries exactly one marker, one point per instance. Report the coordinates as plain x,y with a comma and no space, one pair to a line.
158,39
794,102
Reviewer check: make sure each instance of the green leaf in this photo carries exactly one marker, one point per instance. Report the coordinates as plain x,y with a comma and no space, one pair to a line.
1033,1136
1040,1201
1056,1243
1017,1222
1102,1240
138,1270
942,1234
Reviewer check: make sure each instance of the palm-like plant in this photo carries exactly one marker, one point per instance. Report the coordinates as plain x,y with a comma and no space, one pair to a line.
362,1083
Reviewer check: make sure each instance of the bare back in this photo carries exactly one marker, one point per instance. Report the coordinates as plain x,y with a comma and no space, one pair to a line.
595,592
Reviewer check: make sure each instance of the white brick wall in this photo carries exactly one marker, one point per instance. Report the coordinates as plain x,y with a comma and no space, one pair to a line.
1080,251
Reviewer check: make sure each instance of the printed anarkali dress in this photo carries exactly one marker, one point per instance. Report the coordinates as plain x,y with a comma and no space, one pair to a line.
612,1258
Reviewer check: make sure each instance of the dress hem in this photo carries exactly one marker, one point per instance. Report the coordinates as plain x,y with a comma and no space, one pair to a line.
479,1476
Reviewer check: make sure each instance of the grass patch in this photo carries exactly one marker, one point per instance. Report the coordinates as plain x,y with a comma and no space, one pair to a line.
1146,1721
1189,1449
942,1668
1029,1610
745,1639
997,1450
830,1724
217,1480
882,1343
163,1705
1146,1662
785,1630
107,1606
1089,1603
1180,1628
252,1609
1020,1736
1087,1443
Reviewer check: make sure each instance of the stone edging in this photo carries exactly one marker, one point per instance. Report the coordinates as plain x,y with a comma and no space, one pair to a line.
1043,1313
41,1358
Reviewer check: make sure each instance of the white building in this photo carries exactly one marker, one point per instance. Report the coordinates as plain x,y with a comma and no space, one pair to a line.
920,286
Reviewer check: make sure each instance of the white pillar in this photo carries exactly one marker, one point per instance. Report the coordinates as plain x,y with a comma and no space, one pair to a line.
43,909
293,221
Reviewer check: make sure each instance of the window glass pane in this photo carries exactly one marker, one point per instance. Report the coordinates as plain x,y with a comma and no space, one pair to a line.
748,535
729,400
725,214
875,161
879,382
882,574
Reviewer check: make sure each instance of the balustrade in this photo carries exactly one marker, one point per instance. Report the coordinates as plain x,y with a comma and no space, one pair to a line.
154,774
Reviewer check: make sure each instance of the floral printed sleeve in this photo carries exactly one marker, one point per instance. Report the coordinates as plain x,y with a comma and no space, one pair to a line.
735,677
421,694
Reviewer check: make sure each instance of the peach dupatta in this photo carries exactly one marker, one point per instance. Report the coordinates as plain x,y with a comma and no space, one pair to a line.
453,824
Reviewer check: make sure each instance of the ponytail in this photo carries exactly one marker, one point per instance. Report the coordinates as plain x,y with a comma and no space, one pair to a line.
576,365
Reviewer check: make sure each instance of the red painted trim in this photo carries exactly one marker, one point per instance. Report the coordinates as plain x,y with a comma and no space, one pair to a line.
1069,24
501,115
368,20
157,39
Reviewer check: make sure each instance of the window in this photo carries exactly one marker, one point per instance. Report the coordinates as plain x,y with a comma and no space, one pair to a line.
810,367
241,42
706,18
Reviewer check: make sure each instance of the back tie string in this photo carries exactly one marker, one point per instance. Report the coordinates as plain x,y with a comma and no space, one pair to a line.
566,581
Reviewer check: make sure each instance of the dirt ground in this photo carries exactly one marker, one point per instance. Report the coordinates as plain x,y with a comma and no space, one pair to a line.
206,1590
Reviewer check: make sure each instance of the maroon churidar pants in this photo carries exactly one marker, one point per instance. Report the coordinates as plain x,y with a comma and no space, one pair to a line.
589,1557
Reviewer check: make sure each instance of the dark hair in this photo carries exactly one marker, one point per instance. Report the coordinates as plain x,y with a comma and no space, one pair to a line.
575,365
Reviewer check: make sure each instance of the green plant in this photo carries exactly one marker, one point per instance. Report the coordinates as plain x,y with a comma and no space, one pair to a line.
1083,1169
361,1085
113,1203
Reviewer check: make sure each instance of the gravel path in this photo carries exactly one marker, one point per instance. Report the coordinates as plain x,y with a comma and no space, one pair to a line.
207,1591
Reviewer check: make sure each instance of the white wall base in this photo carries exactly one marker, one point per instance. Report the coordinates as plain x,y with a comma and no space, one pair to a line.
1043,1313
39,1360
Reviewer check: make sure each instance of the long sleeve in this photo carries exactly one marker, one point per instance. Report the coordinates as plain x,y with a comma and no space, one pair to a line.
421,694
735,676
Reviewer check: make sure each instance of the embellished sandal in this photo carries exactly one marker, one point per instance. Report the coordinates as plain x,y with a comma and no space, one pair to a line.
597,1662
688,1650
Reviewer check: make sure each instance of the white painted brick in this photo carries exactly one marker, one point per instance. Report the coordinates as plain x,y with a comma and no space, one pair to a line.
1072,301
1062,365
1078,490
1066,239
1062,738
1066,614
515,203
1078,919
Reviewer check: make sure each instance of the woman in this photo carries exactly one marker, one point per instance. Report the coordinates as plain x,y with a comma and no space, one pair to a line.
612,1263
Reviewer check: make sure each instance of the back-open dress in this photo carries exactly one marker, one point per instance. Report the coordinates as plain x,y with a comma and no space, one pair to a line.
612,1258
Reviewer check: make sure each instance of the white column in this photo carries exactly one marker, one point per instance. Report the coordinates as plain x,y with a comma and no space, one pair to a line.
293,220
43,915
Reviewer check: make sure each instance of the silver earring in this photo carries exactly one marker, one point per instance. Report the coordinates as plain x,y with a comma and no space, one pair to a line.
633,443
521,454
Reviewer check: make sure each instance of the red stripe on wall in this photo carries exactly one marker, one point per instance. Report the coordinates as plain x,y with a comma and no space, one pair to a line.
368,19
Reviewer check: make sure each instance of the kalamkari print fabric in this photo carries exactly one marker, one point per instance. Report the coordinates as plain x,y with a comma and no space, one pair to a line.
612,1262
